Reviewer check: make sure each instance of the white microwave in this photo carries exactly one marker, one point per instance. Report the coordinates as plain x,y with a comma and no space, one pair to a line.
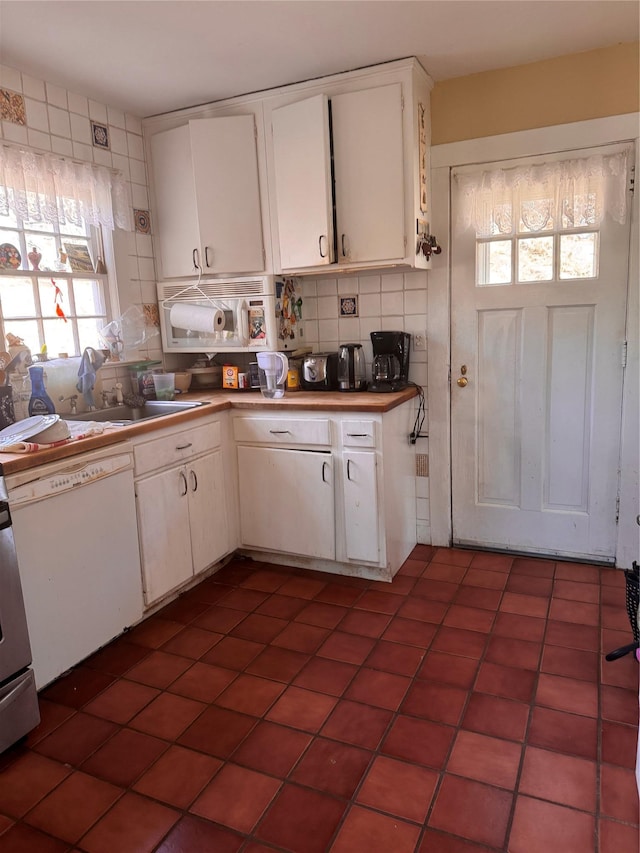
252,315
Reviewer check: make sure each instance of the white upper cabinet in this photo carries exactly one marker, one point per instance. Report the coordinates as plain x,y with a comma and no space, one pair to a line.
207,198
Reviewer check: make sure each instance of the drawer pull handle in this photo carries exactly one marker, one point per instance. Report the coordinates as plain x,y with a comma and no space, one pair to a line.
358,434
186,487
348,469
280,431
196,259
206,256
320,239
324,480
194,481
184,446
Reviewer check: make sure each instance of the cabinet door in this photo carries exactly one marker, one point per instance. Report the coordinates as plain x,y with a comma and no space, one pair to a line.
369,175
361,506
287,501
225,169
175,213
207,510
163,526
302,162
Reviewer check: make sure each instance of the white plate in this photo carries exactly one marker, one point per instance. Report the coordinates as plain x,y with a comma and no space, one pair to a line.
27,428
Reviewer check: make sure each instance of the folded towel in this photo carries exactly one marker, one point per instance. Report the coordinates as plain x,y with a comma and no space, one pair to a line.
89,363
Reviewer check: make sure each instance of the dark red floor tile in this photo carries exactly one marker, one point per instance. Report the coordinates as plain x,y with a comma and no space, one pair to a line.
348,648
282,606
299,637
233,653
237,797
567,694
475,596
619,743
121,701
302,709
453,556
444,572
395,658
618,793
519,627
154,632
334,593
250,694
159,669
77,688
609,576
435,590
321,615
367,830
378,688
485,579
411,632
460,802
572,663
529,585
412,568
431,700
217,731
576,591
208,592
192,642
378,602
586,637
326,676
219,619
398,788
614,616
564,732
563,779
302,587
400,585
420,741
192,833
25,782
74,806
617,837
612,596
76,739
333,767
167,716
509,651
439,842
278,664
21,838
486,759
578,572
357,724
576,612
524,605
423,610
264,580
52,715
539,827
117,657
492,562
203,682
272,749
533,566
301,820
184,610
493,715
619,705
450,669
124,757
506,681
134,824
469,618
244,599
423,552
258,628
364,623
458,641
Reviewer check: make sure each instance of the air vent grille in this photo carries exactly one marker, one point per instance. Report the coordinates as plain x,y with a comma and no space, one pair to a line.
216,289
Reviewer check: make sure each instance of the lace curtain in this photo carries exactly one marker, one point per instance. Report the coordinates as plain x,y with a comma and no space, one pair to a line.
533,198
45,188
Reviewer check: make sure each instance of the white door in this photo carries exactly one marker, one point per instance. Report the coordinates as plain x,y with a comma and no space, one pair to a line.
536,387
361,506
287,501
302,163
369,178
207,510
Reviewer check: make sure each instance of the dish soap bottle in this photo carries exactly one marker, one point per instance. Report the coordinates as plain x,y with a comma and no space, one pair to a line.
40,402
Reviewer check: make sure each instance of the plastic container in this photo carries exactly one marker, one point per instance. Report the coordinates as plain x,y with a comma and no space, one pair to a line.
165,386
142,378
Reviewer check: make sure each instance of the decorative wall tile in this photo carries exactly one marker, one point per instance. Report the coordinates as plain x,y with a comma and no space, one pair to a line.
151,315
100,135
142,220
349,306
12,107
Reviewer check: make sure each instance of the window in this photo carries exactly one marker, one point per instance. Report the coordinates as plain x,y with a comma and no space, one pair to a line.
538,223
55,217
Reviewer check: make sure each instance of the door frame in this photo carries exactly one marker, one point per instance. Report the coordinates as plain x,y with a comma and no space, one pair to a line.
528,143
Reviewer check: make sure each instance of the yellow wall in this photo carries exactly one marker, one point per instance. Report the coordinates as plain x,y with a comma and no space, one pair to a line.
569,88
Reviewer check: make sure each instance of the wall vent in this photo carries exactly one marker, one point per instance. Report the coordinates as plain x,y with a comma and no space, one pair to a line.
422,464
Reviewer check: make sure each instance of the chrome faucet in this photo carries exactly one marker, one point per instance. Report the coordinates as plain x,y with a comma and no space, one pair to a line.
73,408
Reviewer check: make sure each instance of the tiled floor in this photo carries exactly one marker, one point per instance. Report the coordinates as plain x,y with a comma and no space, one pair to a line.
464,708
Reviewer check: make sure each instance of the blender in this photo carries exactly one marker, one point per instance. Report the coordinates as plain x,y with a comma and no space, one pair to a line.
272,367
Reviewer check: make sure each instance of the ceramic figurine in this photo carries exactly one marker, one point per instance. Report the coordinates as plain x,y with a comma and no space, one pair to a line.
35,257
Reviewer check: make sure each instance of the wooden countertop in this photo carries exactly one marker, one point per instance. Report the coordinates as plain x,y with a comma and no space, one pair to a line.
217,401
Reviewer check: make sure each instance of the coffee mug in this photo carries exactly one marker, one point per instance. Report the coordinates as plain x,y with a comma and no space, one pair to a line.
7,413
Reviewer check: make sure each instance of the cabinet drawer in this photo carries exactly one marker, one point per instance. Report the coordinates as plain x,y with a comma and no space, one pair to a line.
174,448
358,433
282,430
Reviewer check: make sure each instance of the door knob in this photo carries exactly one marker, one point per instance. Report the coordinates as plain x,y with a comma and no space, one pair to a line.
462,380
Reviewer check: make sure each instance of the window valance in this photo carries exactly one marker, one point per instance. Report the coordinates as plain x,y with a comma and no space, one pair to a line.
536,197
46,188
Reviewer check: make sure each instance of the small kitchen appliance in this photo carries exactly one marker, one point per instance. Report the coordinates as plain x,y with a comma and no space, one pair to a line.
273,367
351,368
390,361
320,372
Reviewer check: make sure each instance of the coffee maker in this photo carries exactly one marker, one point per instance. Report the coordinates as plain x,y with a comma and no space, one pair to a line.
390,361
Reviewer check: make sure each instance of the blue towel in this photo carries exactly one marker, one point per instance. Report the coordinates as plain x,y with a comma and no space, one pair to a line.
89,363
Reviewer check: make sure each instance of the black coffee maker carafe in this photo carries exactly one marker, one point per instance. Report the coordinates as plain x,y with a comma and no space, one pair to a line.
390,361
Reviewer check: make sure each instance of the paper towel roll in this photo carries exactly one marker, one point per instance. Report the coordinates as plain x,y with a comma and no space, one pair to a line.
197,318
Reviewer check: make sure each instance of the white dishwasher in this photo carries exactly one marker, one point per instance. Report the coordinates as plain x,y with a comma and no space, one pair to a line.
76,538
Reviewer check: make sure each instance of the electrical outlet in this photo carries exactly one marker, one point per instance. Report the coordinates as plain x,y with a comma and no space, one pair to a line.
419,342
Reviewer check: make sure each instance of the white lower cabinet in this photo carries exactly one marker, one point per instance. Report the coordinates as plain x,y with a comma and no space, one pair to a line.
287,500
360,496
